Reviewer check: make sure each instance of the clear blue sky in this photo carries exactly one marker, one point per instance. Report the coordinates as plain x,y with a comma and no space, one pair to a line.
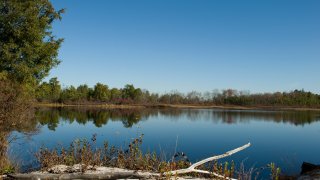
261,46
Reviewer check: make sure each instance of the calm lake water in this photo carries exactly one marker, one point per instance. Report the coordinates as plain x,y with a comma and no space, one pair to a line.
286,138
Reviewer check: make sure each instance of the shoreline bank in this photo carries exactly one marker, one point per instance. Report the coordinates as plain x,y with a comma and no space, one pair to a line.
179,106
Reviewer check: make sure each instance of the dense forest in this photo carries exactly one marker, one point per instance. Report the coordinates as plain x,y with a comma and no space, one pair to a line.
51,92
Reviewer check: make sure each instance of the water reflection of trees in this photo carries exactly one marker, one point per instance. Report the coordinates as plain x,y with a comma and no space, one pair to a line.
19,119
292,117
241,116
99,117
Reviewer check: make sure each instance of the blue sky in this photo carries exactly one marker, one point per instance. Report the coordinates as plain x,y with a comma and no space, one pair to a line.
164,45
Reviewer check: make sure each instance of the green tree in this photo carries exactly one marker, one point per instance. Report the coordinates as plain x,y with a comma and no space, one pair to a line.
49,91
101,92
69,94
83,92
28,49
115,94
55,89
129,92
43,92
137,95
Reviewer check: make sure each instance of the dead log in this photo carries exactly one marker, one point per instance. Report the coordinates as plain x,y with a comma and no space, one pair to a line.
192,167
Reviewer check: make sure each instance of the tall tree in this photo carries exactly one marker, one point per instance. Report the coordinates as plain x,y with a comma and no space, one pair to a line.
55,89
69,94
83,92
28,49
130,92
115,95
43,92
49,91
101,92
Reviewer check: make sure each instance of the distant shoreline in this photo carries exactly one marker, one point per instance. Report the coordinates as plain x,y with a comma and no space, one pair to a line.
179,106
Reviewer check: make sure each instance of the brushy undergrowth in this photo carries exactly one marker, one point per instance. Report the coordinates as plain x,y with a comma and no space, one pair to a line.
86,153
82,151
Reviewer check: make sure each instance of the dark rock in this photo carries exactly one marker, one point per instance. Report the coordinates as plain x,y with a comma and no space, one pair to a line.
308,167
309,171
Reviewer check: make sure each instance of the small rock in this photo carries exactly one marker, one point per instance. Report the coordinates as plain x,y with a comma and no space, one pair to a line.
76,168
80,168
58,169
91,168
309,171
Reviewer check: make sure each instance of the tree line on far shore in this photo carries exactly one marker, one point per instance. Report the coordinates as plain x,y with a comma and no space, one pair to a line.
51,92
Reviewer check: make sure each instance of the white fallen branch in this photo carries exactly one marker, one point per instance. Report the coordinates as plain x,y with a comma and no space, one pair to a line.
192,168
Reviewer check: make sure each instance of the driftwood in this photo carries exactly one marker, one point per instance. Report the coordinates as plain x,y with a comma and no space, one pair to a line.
97,173
192,168
116,173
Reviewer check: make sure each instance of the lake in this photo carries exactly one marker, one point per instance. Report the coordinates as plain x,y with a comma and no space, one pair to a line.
285,137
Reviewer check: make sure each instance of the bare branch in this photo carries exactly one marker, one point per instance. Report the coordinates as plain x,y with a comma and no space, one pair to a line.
192,167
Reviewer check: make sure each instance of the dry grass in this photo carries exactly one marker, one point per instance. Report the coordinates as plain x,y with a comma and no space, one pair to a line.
87,154
84,152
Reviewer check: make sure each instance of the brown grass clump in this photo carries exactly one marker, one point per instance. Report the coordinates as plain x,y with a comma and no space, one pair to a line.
85,153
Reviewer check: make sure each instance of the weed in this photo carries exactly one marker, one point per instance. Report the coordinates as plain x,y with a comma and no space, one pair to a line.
275,171
86,153
7,169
